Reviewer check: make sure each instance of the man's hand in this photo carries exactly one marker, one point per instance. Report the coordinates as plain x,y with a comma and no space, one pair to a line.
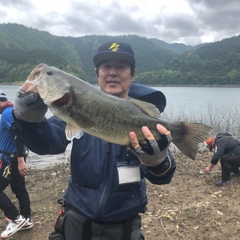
209,168
22,166
29,106
151,155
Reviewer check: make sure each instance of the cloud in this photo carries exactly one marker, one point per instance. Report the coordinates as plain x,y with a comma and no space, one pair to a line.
217,18
188,21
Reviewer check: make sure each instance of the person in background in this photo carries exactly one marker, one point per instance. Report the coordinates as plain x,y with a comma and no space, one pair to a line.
107,187
12,171
227,150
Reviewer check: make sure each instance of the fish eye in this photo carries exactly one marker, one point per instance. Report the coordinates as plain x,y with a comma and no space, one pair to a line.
49,73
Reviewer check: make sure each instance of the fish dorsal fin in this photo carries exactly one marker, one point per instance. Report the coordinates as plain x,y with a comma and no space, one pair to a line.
149,108
73,132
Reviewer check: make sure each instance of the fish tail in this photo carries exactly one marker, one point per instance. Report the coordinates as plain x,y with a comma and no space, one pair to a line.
190,135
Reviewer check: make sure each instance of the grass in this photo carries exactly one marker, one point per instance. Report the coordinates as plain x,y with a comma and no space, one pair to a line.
219,118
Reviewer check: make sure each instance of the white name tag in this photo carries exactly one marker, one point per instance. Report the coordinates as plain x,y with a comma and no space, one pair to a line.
128,174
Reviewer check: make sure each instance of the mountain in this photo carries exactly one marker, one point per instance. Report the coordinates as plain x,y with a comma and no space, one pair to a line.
77,52
178,48
215,63
22,48
158,62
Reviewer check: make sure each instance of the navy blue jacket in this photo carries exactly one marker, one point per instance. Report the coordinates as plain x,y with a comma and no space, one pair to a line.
93,186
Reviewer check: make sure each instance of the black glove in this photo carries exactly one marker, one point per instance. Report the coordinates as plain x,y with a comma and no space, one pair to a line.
153,153
29,106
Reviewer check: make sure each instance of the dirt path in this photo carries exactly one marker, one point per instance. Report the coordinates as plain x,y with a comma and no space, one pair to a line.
191,207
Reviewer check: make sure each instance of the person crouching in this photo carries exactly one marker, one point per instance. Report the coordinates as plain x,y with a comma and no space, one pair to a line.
226,149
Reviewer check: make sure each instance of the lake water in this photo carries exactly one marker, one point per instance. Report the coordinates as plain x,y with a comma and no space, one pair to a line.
189,102
194,100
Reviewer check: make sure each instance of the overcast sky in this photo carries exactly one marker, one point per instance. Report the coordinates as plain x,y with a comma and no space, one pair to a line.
184,21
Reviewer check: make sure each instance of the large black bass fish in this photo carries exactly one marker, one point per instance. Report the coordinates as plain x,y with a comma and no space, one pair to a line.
86,108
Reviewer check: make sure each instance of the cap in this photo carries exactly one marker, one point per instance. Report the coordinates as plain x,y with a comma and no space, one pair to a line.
114,50
3,96
209,140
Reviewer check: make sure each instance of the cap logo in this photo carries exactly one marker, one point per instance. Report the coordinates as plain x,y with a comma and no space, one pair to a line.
114,47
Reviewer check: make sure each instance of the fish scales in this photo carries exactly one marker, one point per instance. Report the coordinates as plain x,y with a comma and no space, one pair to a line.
114,119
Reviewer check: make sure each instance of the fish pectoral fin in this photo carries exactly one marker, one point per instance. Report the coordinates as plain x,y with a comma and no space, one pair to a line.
73,132
148,108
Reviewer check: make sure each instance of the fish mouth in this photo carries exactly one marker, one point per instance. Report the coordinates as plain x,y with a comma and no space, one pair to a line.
30,85
61,102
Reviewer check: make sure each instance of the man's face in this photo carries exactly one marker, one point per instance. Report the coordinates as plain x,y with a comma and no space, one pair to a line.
114,77
2,104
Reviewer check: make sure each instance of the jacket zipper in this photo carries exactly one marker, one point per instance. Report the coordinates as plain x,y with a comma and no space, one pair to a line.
105,183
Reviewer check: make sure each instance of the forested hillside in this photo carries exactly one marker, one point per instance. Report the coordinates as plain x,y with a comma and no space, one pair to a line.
212,64
178,48
22,48
215,63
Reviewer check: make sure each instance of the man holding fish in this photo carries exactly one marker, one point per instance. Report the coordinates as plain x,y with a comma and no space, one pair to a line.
113,148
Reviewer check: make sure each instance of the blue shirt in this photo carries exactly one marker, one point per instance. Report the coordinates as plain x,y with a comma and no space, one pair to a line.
6,138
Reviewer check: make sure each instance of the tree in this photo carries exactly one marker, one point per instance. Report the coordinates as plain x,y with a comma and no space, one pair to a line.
234,76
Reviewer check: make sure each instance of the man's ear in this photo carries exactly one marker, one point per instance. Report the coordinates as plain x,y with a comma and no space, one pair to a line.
96,72
134,74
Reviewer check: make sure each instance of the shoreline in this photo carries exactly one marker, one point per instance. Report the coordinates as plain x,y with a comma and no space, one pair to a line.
157,85
41,162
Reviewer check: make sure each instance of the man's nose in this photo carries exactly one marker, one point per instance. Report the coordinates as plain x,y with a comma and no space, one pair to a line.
113,71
